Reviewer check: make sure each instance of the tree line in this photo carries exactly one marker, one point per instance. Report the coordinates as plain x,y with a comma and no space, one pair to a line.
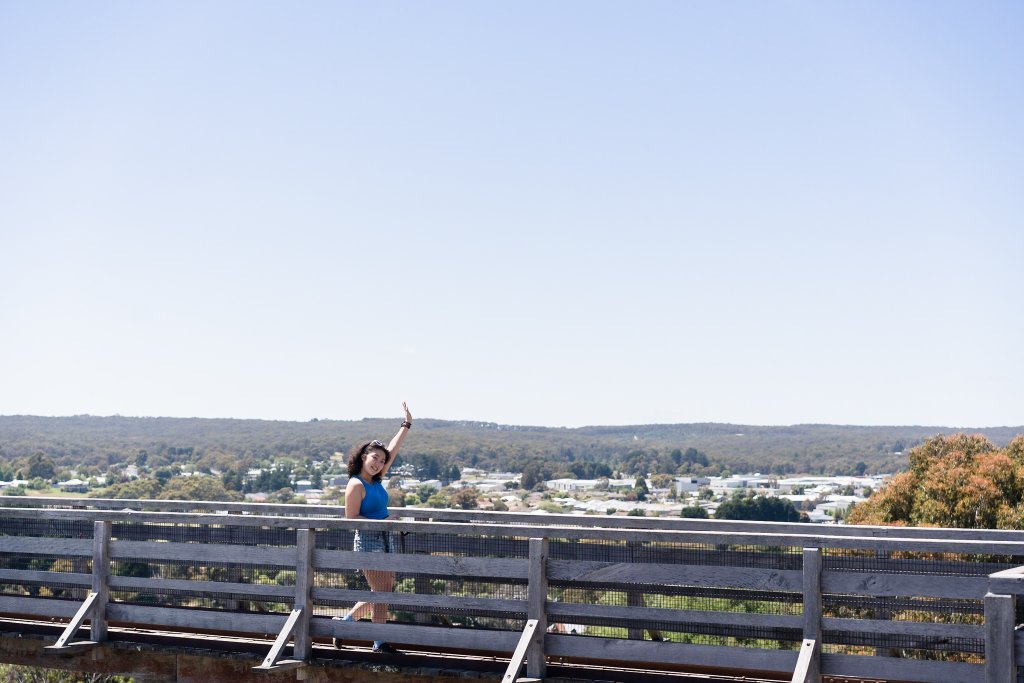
91,445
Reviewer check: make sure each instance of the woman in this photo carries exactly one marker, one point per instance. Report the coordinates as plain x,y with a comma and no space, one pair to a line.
366,498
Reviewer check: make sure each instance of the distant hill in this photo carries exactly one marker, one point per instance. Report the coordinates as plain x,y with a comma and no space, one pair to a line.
829,449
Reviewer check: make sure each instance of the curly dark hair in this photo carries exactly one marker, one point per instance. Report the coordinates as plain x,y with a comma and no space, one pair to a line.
355,457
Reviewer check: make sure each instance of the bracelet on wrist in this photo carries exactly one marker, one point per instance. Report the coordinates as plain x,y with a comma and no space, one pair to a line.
407,424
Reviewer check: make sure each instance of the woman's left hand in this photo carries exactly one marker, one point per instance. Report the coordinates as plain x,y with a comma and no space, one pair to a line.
408,415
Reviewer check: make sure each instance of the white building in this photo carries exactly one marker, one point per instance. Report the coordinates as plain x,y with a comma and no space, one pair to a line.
737,483
74,486
569,485
690,484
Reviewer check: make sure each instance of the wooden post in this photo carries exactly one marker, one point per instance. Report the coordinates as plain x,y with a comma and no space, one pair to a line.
634,598
100,574
234,575
422,586
882,613
305,542
536,609
812,610
1000,616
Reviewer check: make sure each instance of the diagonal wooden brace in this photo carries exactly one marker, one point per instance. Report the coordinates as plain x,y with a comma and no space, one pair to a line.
804,672
272,661
84,612
519,656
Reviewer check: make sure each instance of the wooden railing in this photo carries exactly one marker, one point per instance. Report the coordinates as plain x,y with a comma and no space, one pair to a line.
803,600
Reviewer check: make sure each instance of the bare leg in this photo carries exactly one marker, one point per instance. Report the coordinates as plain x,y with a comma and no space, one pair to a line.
379,581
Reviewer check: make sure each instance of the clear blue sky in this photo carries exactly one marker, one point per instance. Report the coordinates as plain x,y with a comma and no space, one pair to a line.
551,213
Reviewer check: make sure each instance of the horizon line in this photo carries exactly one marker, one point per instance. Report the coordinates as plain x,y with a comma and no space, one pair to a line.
509,424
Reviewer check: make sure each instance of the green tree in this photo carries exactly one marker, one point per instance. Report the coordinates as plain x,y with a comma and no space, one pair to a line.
137,489
693,512
198,488
694,457
285,496
232,480
551,506
425,491
640,488
761,508
439,500
531,476
39,465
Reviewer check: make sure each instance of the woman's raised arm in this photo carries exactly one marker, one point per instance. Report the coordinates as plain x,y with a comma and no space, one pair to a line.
396,442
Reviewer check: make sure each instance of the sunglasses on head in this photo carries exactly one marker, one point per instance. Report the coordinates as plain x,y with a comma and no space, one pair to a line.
376,443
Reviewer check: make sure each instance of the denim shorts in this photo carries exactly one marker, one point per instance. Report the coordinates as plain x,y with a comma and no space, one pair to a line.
373,542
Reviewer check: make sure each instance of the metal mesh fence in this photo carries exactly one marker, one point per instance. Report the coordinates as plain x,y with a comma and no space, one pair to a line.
939,564
676,553
45,528
909,608
435,584
682,572
208,570
206,534
704,579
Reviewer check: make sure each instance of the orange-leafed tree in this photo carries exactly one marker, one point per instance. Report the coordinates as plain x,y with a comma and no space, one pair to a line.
962,481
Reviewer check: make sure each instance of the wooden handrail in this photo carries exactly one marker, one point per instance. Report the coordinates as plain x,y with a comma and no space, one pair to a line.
660,561
910,543
533,520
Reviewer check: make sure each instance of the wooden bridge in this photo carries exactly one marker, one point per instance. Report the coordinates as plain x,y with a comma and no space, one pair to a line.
179,591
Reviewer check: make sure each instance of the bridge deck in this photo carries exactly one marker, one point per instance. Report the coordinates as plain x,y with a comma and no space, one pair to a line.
228,658
676,596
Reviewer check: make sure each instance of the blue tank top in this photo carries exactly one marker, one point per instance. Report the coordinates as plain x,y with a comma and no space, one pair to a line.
375,500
